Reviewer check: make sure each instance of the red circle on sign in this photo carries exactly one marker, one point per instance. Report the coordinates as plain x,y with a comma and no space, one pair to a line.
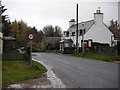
30,36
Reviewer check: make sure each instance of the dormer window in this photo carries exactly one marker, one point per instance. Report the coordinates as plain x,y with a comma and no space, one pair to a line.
67,34
80,32
73,33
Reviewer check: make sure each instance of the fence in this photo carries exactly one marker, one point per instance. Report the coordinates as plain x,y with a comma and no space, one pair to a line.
96,48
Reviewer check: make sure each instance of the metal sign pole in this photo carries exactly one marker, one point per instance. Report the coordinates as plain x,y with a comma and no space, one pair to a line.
30,36
30,52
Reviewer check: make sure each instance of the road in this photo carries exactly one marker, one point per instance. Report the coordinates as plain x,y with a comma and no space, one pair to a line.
80,72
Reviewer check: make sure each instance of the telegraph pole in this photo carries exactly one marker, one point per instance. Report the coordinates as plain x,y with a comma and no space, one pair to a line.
83,32
77,29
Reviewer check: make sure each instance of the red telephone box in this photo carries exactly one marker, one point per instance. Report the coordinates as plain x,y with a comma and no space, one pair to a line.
85,45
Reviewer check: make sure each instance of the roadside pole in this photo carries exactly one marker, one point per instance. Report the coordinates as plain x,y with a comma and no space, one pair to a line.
83,31
30,36
30,52
77,29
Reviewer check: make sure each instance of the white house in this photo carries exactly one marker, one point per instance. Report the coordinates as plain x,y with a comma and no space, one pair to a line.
93,29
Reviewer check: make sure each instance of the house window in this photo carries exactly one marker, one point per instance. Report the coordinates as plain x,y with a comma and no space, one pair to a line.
73,33
64,33
84,31
80,32
67,34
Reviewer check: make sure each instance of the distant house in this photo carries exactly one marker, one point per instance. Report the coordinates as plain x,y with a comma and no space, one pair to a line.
94,30
9,42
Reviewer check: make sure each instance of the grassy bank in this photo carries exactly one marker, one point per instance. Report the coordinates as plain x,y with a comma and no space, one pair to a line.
13,71
12,56
98,56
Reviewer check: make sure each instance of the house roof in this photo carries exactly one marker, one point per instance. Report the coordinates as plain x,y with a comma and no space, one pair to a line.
87,26
51,39
67,41
9,38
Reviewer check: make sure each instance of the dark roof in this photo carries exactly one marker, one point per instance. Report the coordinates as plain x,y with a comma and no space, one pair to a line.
67,41
87,26
50,39
9,38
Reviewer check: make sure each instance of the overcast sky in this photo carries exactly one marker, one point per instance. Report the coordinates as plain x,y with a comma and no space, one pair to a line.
40,13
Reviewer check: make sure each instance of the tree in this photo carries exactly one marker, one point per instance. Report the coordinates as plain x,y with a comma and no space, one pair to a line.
32,30
22,32
51,31
14,29
19,31
48,31
114,27
39,36
6,29
58,31
5,22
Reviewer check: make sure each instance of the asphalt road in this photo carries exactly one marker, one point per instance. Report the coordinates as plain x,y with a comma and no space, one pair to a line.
80,72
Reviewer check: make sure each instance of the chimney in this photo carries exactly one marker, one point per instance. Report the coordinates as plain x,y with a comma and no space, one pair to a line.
71,22
98,17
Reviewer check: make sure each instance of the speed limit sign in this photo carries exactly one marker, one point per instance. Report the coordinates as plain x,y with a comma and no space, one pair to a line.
30,36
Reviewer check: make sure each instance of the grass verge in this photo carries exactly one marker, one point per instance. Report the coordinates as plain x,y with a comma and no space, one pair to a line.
98,56
13,71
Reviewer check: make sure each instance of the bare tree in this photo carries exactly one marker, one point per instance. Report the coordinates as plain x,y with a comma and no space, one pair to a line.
51,31
48,31
58,31
114,27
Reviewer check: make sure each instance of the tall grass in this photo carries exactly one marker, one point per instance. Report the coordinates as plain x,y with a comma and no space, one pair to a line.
98,56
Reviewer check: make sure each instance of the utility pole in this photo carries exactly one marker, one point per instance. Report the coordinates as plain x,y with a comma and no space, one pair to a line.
30,53
77,29
83,31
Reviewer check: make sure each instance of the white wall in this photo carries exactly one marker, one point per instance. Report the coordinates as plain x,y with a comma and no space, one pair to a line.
99,33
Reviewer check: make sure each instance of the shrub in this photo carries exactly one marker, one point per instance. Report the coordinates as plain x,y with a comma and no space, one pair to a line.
34,49
69,50
12,56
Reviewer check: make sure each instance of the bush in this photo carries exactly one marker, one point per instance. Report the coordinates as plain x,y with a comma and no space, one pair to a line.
34,49
104,48
100,47
12,56
69,50
118,47
105,44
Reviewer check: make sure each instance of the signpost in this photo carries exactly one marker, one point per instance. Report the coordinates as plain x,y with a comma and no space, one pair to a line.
30,36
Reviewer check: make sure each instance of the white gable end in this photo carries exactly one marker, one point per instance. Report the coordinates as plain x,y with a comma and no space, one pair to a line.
99,33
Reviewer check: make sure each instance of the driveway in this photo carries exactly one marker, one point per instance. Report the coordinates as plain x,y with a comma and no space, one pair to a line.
80,72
